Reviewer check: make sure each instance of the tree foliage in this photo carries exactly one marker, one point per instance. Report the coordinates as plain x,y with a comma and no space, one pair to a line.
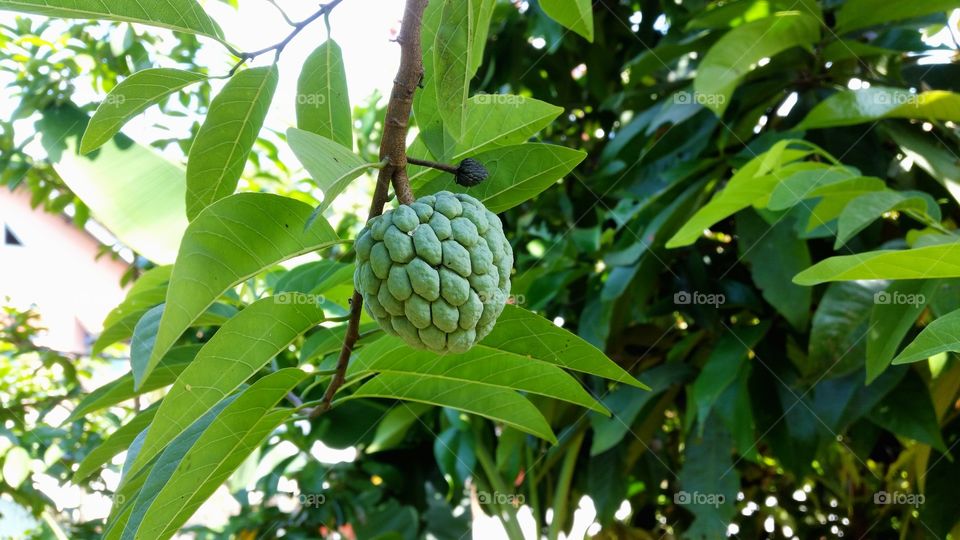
750,206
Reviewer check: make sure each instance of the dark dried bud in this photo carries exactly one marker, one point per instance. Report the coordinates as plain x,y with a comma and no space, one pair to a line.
471,172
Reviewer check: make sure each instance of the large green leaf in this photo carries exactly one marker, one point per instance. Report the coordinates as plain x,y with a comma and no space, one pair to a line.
141,345
132,483
877,102
722,367
176,488
577,15
865,209
143,207
323,104
751,185
493,402
180,15
131,97
220,151
729,60
480,364
527,334
492,120
840,326
937,161
856,14
452,62
709,481
759,243
230,241
147,291
395,425
331,165
235,353
894,312
942,335
927,262
908,412
117,442
122,389
517,174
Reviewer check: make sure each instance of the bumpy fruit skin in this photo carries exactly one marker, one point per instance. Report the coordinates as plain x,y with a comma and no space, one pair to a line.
435,272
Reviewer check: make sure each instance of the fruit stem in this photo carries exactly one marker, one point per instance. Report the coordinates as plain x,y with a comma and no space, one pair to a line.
433,165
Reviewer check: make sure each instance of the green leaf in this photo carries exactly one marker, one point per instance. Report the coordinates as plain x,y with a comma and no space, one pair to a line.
132,484
481,11
728,357
851,107
323,104
141,345
942,335
729,61
231,240
175,490
577,15
147,291
452,61
760,243
394,426
492,120
481,364
626,403
527,334
235,353
517,174
219,152
180,15
865,209
927,262
908,412
143,207
937,161
122,388
118,441
895,310
330,165
751,185
806,179
857,14
709,481
131,97
493,402
840,324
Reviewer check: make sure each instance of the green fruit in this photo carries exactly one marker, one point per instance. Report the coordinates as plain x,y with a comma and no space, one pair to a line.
435,272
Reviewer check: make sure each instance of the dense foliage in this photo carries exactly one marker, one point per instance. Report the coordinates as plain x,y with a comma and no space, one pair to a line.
750,206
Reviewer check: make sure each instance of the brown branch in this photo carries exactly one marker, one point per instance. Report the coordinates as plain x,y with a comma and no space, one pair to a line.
393,149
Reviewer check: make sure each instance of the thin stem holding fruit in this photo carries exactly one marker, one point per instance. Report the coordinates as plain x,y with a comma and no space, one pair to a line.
433,165
393,152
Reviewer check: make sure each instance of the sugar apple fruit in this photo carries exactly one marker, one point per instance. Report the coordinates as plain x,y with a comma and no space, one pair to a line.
435,272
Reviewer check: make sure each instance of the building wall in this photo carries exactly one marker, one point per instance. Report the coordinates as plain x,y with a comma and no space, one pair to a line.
54,269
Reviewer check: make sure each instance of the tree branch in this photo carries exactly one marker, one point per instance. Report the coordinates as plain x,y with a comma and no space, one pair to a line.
279,46
393,149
